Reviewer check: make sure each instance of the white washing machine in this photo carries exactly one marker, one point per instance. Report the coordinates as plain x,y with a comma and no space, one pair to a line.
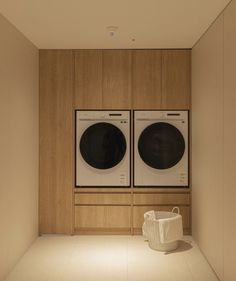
161,148
102,148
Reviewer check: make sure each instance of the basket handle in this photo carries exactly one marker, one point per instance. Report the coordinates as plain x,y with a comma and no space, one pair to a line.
176,208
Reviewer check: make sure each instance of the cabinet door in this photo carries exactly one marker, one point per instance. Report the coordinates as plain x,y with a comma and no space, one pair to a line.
56,135
116,79
176,86
88,79
146,81
102,219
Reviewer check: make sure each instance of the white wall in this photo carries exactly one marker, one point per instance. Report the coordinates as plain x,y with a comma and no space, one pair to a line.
18,145
214,144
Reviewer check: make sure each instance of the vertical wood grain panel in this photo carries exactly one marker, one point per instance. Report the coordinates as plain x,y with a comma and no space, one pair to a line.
229,142
88,79
116,79
176,86
102,216
103,79
56,135
146,79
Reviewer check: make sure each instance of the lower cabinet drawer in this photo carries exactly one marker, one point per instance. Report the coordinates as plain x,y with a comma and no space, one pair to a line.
162,199
102,217
138,212
103,198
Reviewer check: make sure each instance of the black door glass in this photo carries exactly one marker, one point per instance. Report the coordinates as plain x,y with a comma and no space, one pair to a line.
161,145
103,145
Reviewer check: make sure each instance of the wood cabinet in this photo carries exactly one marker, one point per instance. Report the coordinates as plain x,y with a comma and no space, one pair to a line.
88,79
56,141
97,212
103,219
161,199
117,79
146,79
176,81
103,199
138,79
158,200
103,79
100,79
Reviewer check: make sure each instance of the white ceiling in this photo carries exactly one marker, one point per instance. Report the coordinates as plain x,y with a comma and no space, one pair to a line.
75,24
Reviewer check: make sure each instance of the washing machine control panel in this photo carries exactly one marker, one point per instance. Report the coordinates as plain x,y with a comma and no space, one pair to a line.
104,115
157,115
123,179
183,178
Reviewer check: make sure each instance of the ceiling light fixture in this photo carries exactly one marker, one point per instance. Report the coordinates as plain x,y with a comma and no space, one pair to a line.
112,30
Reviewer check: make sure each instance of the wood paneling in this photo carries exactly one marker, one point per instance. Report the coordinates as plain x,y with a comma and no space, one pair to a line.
229,104
146,79
100,79
102,217
138,212
103,198
176,73
161,199
56,139
88,79
116,79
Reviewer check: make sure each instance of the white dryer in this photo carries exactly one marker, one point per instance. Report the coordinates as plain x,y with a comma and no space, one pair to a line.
102,148
161,148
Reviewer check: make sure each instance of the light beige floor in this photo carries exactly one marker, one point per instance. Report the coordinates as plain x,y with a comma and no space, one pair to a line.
109,258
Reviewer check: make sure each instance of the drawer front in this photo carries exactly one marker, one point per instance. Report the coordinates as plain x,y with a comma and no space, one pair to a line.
102,217
161,199
138,212
102,199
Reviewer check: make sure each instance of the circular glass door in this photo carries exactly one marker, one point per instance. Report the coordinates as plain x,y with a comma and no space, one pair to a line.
161,145
102,145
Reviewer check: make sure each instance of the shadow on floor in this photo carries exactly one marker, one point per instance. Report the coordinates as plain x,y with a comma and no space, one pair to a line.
183,246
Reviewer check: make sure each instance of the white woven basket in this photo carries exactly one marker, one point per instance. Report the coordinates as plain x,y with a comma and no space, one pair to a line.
151,229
